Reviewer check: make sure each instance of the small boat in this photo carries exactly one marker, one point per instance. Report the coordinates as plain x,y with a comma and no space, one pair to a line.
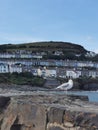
66,86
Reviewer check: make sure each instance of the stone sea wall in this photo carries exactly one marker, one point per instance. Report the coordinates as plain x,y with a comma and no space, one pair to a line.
47,112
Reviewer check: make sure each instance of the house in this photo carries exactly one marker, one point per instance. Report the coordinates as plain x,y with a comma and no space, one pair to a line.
51,73
58,53
15,68
81,64
43,63
92,73
35,72
85,73
61,72
59,63
90,54
39,72
7,55
44,72
4,68
71,63
90,64
37,56
25,56
73,74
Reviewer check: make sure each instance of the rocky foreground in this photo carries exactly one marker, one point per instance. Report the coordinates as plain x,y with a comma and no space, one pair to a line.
44,111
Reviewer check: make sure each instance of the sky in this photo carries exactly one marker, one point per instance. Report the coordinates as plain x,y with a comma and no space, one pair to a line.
73,21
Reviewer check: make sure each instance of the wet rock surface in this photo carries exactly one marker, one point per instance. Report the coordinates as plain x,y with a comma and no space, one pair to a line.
44,111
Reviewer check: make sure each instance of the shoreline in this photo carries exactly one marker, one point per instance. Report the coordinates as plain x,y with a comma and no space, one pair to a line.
17,90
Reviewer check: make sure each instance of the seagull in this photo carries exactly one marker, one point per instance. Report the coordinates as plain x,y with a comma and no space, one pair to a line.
66,86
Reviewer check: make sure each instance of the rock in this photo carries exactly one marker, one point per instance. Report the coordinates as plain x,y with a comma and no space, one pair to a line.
75,97
44,111
16,127
55,128
86,120
55,115
68,124
24,116
69,118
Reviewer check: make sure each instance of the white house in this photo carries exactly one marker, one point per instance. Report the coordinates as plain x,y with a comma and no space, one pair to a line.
7,55
4,68
35,72
73,74
39,72
58,53
25,56
15,68
92,73
90,54
44,72
37,56
51,73
61,72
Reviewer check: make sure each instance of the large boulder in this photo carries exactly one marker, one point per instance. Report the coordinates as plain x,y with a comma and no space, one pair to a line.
55,115
23,116
44,111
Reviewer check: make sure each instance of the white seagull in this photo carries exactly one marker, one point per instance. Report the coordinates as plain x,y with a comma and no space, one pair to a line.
66,86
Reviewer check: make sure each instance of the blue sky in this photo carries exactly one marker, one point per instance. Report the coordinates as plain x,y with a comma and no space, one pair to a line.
73,21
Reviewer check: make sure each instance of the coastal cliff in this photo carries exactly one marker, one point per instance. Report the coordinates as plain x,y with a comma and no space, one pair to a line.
44,111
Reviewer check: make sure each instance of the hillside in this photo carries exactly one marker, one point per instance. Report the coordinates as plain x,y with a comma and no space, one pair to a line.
47,46
51,50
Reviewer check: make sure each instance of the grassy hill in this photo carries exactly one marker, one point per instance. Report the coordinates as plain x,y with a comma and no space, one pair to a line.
44,46
69,50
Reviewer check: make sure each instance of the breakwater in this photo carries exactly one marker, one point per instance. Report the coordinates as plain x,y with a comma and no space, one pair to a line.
44,111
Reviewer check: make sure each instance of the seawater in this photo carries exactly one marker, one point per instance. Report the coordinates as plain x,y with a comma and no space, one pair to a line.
92,95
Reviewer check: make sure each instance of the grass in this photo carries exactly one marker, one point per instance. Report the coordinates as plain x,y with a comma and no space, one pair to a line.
21,79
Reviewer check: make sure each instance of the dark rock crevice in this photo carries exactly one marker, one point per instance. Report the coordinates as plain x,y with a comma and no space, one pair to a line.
4,102
16,127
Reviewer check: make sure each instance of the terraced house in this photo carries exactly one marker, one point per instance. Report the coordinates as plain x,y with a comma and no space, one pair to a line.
4,68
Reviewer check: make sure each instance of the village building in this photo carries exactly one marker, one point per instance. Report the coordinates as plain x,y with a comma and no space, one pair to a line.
35,72
15,68
44,72
61,72
73,74
90,73
4,68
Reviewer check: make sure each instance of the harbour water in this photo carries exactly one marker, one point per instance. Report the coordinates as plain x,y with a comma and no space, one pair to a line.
92,95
